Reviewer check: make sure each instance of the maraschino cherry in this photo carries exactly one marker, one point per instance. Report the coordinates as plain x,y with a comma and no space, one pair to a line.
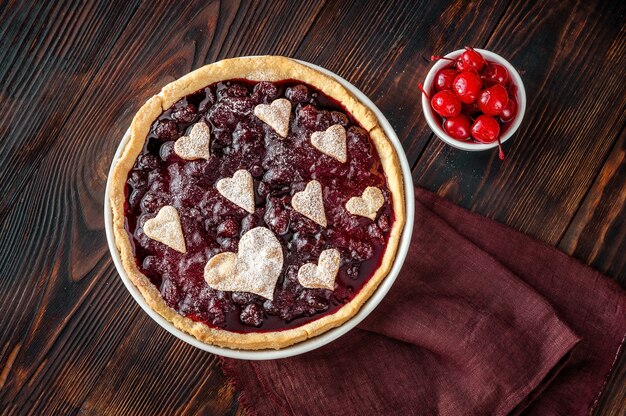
492,100
458,127
485,129
467,86
444,79
470,60
509,111
445,103
495,74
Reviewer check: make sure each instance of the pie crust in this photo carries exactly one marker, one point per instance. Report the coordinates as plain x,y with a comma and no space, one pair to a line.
263,68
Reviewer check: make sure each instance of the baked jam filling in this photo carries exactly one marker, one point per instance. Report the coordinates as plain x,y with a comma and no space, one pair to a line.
280,167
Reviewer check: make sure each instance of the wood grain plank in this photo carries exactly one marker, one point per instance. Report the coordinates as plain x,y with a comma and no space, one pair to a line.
74,312
45,65
597,234
65,358
569,126
49,53
177,372
380,48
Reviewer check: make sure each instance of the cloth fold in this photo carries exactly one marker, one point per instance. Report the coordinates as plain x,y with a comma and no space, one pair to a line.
482,320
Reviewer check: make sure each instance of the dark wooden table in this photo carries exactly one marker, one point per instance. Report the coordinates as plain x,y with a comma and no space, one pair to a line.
72,74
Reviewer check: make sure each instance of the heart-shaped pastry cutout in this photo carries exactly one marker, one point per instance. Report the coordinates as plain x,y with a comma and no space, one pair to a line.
254,269
197,145
310,203
239,189
368,204
332,142
165,228
322,275
276,115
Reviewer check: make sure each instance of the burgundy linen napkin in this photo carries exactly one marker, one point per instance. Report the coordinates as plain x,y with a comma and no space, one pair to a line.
482,320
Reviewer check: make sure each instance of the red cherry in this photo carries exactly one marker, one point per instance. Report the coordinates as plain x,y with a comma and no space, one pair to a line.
458,127
444,79
485,129
446,104
471,60
509,111
496,73
492,100
462,66
467,85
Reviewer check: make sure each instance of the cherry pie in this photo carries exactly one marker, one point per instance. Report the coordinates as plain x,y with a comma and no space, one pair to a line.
257,203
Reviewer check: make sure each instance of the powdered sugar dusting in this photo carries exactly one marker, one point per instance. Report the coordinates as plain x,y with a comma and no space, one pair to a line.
196,145
165,228
276,115
368,204
254,269
238,105
310,203
332,142
322,275
239,189
262,74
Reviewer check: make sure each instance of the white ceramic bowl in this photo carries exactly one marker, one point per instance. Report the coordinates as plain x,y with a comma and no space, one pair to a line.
432,117
311,343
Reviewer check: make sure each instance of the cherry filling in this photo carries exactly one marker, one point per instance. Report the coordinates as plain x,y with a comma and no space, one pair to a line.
280,167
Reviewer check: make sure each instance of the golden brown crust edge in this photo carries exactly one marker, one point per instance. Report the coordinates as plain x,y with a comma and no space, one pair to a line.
264,68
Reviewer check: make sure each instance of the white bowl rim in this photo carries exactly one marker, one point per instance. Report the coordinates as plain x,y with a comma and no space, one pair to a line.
471,146
311,343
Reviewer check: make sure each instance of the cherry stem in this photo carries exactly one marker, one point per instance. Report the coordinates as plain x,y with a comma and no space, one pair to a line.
501,152
423,92
437,57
